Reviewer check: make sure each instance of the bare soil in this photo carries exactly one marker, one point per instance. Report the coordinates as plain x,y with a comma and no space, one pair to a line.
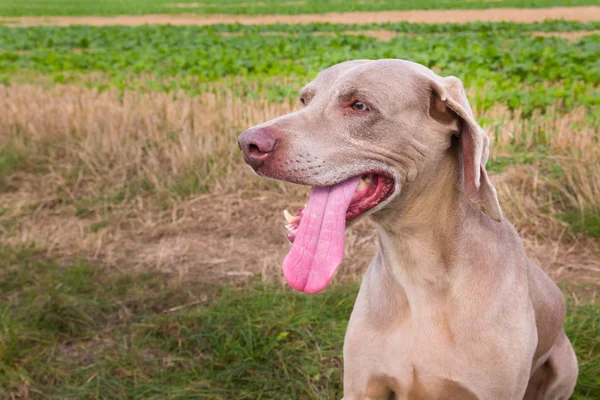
567,35
383,36
256,4
426,16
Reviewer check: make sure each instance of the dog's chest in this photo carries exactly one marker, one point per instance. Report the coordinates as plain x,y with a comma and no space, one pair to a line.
416,387
407,343
421,366
418,359
428,359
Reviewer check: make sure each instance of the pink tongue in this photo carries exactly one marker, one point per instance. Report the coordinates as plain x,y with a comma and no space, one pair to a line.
318,248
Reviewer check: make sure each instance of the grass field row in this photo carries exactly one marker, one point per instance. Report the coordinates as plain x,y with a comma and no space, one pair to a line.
138,7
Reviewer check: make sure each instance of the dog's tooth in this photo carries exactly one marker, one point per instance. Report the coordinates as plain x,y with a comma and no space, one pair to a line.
288,217
361,185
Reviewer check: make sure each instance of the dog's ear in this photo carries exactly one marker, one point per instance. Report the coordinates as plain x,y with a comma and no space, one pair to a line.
474,144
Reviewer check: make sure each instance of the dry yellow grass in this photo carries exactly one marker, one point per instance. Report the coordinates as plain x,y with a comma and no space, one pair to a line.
155,180
115,138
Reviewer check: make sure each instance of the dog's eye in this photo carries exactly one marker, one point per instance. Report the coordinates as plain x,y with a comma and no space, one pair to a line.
359,106
303,101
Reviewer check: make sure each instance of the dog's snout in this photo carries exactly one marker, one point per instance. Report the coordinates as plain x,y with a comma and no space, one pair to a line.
257,145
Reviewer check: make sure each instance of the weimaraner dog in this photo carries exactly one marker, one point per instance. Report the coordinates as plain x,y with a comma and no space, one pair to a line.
451,307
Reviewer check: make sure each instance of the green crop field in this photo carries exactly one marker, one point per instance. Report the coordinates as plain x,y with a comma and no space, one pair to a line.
130,264
521,71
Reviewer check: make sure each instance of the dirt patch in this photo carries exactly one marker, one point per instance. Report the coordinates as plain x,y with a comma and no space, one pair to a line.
377,34
380,35
236,5
426,16
566,35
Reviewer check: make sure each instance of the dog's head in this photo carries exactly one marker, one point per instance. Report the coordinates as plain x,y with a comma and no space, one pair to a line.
367,132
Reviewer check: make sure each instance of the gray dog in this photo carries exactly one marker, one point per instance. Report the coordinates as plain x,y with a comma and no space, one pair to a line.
451,307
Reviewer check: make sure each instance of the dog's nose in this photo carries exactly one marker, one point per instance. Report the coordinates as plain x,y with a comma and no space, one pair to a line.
257,144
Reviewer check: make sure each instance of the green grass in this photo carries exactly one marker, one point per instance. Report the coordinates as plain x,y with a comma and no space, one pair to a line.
585,221
501,164
137,7
77,331
11,160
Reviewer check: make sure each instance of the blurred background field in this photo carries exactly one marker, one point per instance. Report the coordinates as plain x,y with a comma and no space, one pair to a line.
241,7
140,257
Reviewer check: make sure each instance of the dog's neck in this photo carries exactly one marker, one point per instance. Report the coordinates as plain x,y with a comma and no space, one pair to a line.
417,244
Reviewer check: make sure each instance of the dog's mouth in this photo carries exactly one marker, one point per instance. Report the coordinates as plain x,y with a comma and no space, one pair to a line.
371,191
317,230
